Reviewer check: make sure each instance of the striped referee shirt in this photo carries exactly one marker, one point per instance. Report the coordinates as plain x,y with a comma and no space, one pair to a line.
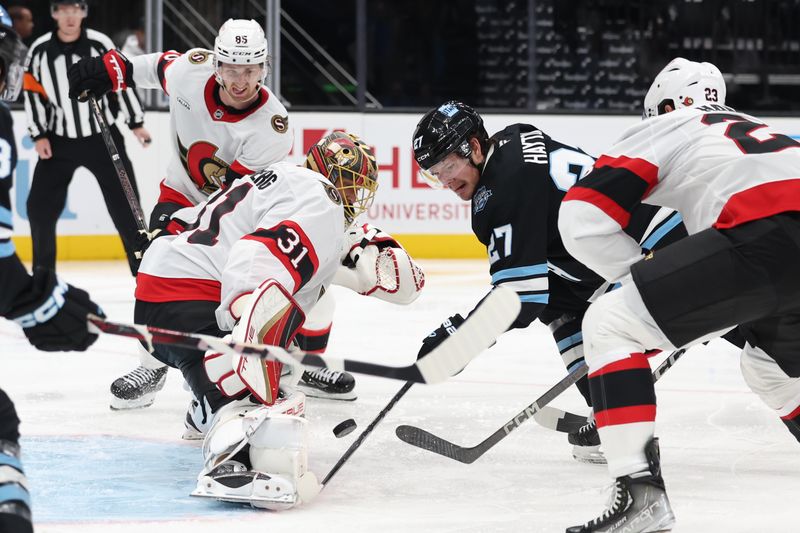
47,103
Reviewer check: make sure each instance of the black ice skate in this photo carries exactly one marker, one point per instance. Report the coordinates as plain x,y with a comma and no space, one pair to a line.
327,383
586,444
137,389
639,503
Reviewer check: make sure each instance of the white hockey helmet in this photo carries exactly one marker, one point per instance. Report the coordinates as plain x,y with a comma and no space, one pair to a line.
241,42
684,83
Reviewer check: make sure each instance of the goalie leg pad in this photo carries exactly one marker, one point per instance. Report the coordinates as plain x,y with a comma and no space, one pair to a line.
269,315
275,474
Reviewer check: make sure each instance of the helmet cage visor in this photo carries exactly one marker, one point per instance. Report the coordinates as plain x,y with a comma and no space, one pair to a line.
447,169
357,190
13,68
229,73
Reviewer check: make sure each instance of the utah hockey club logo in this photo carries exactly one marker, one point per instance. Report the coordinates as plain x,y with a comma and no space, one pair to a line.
480,199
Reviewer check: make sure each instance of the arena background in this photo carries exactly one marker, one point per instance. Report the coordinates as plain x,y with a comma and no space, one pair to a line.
576,69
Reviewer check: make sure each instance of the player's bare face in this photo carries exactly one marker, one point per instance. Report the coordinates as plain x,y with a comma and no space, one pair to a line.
456,174
68,18
240,84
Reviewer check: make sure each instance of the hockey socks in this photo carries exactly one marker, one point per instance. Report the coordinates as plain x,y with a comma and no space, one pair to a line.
624,402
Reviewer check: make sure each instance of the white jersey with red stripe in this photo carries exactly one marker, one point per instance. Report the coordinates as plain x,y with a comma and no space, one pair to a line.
207,137
285,223
717,167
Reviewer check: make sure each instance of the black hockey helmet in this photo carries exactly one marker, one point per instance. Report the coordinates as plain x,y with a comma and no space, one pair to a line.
444,130
12,63
82,4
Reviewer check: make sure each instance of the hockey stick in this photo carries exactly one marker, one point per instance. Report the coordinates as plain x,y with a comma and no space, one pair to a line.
364,434
566,422
119,166
427,441
490,319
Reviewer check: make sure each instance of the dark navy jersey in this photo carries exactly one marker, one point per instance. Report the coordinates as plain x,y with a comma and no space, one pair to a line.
14,279
515,215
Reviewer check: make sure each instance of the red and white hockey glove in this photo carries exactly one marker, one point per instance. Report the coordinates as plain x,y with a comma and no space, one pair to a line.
375,264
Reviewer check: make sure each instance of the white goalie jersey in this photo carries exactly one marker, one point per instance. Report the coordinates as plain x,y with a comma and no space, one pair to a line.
285,223
206,137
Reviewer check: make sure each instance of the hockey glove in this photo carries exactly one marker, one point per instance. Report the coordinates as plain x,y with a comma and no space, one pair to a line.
438,336
99,75
53,314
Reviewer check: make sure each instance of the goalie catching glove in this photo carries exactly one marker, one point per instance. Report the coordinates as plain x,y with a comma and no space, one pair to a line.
99,75
53,314
375,264
269,315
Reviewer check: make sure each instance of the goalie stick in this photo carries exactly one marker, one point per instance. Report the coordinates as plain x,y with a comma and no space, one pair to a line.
566,422
491,318
428,441
364,434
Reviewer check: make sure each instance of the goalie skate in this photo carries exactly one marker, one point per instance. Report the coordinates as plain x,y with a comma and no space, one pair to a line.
137,389
586,444
233,482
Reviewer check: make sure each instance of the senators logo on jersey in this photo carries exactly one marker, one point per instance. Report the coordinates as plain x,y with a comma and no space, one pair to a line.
203,166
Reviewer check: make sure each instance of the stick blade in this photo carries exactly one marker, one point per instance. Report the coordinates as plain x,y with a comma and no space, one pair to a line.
559,420
428,441
489,320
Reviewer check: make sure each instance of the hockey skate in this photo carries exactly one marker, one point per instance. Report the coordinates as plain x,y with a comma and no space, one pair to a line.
586,444
327,383
137,389
638,504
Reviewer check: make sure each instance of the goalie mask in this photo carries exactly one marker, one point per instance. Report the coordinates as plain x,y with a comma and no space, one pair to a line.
444,131
12,60
350,165
241,57
684,83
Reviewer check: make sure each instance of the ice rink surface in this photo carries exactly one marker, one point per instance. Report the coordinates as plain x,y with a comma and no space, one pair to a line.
729,463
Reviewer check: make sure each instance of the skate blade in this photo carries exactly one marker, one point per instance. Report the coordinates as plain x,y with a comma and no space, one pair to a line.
118,404
311,392
254,501
192,434
591,455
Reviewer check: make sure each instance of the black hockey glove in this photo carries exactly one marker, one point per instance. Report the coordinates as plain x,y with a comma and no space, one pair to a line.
53,314
438,336
100,75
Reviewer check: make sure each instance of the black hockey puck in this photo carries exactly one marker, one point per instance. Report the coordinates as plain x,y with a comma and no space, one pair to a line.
344,428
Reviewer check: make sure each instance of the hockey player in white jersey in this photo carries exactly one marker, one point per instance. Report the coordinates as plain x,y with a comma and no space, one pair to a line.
224,123
736,181
254,259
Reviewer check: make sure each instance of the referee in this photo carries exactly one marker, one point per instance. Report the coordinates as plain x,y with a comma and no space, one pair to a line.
67,136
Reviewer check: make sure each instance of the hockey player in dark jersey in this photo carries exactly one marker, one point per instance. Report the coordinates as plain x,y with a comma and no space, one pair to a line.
51,312
516,180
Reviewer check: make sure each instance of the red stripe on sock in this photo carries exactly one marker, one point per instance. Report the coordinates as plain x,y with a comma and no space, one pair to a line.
635,361
793,414
626,415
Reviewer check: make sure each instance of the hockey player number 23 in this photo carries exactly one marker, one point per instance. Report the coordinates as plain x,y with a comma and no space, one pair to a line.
740,130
